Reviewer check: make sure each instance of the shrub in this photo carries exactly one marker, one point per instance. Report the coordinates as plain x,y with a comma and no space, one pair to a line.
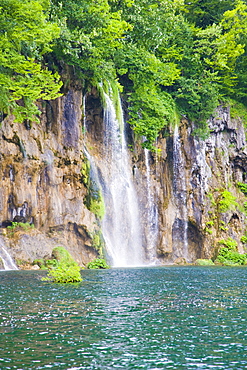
65,273
227,201
242,187
98,263
66,270
244,239
228,254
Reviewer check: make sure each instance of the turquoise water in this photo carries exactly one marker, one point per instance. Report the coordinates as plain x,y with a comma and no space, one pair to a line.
146,318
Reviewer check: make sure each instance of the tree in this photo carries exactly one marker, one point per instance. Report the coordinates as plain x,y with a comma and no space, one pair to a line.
25,37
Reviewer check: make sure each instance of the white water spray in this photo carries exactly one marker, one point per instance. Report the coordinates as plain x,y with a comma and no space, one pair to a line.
121,224
112,173
152,214
180,194
8,262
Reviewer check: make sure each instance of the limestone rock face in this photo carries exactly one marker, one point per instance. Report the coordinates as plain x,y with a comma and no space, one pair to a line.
189,178
42,167
42,182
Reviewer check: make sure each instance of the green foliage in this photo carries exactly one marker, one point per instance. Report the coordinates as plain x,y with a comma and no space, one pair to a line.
204,262
66,270
170,57
25,37
226,201
98,263
238,110
209,231
65,273
242,187
230,244
245,208
45,264
223,226
207,12
85,171
210,223
151,110
228,254
244,239
20,225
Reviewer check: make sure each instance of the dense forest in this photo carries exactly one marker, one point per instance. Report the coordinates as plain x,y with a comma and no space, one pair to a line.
169,57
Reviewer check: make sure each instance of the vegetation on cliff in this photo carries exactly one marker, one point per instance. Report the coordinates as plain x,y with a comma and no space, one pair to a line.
169,56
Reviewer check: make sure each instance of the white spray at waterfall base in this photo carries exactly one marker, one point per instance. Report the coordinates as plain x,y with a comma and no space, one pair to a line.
8,262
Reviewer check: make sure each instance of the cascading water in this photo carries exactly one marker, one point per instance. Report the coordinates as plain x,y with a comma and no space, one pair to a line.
152,214
121,226
8,262
180,195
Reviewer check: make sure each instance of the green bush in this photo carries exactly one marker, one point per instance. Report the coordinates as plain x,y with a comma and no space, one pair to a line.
98,263
227,201
242,187
66,270
46,264
65,273
23,225
228,254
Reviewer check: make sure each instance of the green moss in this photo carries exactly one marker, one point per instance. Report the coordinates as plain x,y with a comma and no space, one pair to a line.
98,242
97,206
204,262
94,200
20,225
61,254
85,171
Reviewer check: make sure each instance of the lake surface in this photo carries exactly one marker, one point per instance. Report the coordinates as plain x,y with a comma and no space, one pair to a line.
142,318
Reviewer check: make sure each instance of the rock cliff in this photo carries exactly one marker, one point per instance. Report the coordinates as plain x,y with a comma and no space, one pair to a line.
44,182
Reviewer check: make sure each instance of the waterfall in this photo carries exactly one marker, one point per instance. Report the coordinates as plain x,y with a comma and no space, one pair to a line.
152,214
180,195
112,172
8,262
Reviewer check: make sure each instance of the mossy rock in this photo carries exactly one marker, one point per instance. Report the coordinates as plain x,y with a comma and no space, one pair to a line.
204,262
61,254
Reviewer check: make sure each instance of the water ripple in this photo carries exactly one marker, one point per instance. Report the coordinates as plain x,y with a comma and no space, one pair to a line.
157,318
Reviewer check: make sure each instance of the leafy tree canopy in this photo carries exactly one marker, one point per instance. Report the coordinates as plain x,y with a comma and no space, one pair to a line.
25,35
168,55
